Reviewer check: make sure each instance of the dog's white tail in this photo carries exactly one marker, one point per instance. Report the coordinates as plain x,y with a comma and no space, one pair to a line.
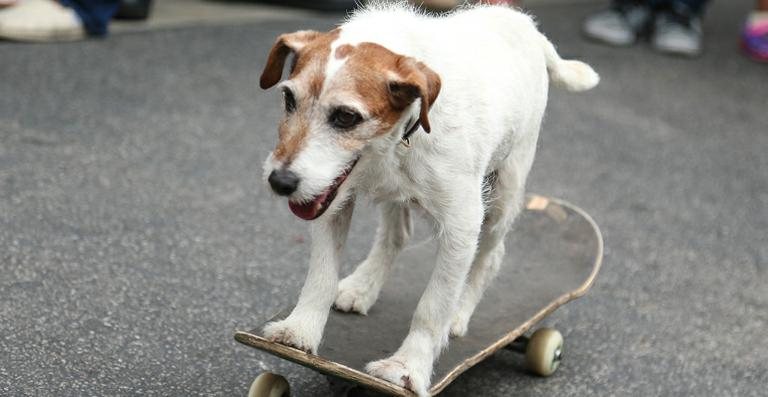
571,75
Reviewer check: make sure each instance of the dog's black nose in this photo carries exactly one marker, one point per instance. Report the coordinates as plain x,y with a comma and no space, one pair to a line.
283,182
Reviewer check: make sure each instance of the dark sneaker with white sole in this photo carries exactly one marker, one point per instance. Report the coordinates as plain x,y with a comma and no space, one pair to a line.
620,25
677,33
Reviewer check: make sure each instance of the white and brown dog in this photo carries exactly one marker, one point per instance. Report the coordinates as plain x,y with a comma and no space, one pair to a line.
442,113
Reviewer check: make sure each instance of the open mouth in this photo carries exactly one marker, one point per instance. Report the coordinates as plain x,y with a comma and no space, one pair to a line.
316,206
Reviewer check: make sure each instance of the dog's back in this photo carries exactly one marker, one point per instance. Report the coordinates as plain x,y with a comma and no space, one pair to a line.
495,68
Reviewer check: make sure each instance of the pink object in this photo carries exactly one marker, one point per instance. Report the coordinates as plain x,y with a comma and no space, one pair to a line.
754,40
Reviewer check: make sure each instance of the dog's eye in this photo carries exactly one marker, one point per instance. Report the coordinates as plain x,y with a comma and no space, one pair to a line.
344,118
290,100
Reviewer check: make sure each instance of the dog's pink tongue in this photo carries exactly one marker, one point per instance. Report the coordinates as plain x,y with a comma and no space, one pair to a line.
309,210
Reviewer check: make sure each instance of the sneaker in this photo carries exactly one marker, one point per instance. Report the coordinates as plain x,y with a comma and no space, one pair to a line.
40,20
678,34
620,25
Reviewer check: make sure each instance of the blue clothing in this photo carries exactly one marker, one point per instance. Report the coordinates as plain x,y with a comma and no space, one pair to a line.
685,7
95,14
692,6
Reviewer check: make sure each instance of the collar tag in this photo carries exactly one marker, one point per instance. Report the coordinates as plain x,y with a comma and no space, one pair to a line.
406,137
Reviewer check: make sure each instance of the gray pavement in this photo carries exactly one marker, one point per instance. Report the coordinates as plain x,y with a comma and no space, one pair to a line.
136,236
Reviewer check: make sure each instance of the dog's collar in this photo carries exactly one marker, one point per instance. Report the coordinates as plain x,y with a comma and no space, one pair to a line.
406,137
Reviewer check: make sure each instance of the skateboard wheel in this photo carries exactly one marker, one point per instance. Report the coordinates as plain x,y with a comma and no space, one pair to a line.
544,351
268,384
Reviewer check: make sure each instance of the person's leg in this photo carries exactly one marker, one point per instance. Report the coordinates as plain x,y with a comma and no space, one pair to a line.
755,36
620,24
95,14
693,6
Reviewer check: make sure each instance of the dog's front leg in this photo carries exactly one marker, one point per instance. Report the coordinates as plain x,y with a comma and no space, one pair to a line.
303,328
411,365
359,291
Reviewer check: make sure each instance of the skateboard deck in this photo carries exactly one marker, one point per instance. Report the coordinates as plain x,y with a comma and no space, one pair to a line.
553,254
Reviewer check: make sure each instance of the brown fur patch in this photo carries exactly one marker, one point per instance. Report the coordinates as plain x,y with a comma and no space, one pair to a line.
387,82
372,68
311,61
284,45
343,51
312,50
292,139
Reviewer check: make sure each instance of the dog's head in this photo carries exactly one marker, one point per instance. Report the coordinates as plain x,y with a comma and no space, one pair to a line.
338,98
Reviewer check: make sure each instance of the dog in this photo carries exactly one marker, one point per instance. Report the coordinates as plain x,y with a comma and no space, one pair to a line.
438,112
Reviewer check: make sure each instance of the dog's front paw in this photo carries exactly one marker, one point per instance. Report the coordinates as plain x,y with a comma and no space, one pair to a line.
355,296
399,372
292,334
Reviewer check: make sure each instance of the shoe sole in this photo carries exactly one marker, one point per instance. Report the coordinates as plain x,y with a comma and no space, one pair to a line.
676,52
612,43
44,37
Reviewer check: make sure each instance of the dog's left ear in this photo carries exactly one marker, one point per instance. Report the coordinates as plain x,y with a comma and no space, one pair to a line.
414,80
284,45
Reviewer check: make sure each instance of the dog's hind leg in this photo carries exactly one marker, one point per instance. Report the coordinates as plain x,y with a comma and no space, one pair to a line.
459,221
359,291
503,204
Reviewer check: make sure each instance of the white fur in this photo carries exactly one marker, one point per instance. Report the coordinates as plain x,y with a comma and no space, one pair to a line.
495,69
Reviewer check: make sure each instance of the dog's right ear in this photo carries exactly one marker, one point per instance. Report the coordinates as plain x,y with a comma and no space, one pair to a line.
284,45
415,80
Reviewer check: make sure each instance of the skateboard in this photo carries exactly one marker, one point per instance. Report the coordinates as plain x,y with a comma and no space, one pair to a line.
553,254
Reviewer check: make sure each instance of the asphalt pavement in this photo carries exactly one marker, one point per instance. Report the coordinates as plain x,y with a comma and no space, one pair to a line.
136,234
